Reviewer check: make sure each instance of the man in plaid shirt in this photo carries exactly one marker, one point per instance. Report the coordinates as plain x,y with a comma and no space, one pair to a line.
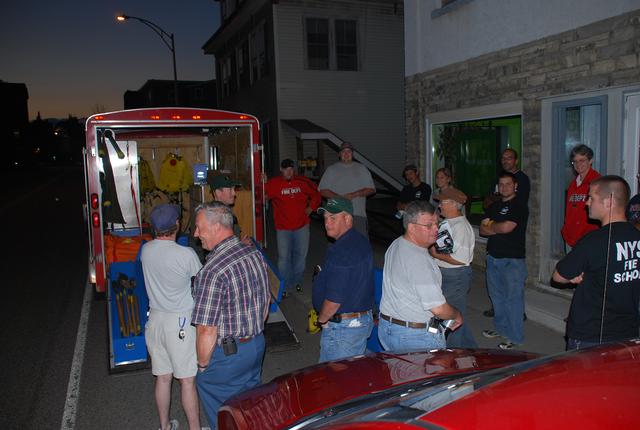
231,294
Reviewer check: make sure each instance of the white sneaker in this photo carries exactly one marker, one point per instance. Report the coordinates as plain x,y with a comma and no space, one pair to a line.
173,425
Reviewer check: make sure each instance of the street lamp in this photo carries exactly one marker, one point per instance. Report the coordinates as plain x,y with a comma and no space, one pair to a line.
166,38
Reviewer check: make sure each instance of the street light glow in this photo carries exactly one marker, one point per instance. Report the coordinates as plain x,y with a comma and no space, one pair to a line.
121,17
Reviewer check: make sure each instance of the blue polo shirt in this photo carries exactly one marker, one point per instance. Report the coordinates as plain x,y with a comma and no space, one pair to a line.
347,275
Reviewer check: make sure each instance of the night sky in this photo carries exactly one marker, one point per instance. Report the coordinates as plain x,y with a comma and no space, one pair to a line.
74,56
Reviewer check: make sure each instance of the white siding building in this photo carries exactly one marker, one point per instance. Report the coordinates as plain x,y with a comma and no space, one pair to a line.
314,68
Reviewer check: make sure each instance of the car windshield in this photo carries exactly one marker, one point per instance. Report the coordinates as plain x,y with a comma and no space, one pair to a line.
411,400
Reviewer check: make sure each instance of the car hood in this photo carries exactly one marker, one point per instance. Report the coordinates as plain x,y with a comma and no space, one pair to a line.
291,397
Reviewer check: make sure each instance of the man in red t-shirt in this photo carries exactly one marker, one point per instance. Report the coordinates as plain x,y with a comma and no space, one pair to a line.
293,198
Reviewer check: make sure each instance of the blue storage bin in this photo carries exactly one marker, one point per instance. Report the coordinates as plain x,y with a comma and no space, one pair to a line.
131,349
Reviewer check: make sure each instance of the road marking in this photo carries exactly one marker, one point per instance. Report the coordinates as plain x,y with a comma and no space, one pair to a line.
73,388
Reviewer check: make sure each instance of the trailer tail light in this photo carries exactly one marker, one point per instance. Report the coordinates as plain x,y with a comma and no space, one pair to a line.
94,201
243,117
95,220
99,117
176,117
196,117
155,116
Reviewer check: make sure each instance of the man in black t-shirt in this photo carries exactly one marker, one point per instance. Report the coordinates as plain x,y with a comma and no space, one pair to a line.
587,266
505,226
414,190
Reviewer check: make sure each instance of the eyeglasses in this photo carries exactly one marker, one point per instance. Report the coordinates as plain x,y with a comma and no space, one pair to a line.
428,225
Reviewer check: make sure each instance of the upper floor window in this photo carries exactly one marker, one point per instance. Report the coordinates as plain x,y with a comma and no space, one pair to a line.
346,45
317,43
331,44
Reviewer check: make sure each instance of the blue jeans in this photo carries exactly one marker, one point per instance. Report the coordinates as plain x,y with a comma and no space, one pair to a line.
579,344
292,254
397,338
505,283
346,338
228,375
456,283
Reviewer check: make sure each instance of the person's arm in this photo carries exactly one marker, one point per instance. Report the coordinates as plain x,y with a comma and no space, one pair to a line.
447,312
206,337
328,194
489,227
314,197
362,192
328,310
444,257
557,277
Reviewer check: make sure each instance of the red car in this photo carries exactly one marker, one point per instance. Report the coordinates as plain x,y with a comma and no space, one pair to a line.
451,389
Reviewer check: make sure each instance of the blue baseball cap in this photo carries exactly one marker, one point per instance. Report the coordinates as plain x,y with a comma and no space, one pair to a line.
163,217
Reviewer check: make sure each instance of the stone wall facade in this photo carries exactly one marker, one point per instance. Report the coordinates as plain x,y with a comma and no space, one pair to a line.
600,55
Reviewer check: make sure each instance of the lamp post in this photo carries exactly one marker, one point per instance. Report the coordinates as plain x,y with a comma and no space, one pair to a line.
166,38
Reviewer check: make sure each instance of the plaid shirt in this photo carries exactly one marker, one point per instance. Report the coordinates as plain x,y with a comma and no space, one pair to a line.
232,290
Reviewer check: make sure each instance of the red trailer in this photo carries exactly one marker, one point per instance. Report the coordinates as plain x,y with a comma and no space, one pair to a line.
137,159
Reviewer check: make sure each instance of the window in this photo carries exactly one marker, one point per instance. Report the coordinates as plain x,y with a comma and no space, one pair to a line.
258,53
346,45
242,55
226,76
471,150
574,122
317,43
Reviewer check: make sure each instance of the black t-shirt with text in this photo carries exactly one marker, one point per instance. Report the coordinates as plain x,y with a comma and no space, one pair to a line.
512,244
410,193
589,256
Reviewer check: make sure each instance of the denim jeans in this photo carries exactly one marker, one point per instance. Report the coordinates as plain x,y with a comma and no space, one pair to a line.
346,338
505,283
456,283
292,255
227,375
397,338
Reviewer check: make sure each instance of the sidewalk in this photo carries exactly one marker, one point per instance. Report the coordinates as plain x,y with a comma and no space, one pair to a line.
538,337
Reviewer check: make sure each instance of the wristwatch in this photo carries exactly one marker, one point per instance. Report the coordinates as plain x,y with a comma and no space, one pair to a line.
201,367
320,324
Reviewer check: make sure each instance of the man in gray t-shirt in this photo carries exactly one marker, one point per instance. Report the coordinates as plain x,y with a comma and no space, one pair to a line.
411,286
351,181
171,339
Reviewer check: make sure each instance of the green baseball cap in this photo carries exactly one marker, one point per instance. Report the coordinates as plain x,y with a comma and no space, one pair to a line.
335,205
222,181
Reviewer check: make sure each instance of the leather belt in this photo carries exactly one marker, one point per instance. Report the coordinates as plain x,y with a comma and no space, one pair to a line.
403,323
347,315
244,339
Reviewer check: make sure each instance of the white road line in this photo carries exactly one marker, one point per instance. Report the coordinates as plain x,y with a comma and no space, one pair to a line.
73,388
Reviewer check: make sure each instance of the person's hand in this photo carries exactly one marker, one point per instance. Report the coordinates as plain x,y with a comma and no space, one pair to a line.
264,178
577,279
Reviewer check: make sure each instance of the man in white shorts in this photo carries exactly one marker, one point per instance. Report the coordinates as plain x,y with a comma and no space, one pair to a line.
168,268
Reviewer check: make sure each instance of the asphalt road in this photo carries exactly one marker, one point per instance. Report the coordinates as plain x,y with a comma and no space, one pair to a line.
43,266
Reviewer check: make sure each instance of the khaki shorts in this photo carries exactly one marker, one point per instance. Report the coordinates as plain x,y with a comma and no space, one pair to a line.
169,353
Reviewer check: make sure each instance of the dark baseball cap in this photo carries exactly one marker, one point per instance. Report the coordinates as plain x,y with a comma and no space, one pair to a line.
222,181
287,162
164,216
335,205
346,145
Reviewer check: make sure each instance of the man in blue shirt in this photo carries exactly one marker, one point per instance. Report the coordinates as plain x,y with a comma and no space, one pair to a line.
343,291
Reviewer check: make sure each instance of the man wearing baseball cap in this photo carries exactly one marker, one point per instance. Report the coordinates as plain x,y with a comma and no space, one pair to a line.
293,199
453,252
415,188
169,335
352,181
223,189
343,291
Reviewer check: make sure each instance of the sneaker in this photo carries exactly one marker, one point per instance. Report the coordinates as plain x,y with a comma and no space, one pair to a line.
507,345
488,313
173,425
299,288
490,334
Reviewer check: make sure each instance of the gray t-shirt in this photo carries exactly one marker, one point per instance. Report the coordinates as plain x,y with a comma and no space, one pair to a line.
411,282
343,178
168,268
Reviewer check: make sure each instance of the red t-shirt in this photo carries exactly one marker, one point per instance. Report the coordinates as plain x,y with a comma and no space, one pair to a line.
290,200
576,221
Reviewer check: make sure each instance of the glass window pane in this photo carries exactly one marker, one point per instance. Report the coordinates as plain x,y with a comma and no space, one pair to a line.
346,45
317,43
